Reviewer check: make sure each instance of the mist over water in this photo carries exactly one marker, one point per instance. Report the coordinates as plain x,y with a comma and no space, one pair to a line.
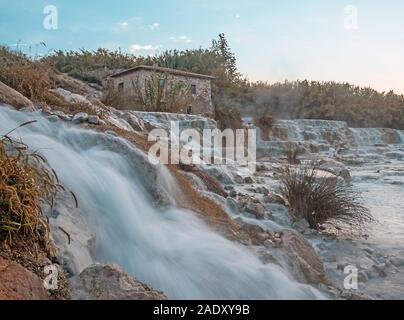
168,248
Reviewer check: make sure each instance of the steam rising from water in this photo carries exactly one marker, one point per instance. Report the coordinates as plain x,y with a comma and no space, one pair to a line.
168,248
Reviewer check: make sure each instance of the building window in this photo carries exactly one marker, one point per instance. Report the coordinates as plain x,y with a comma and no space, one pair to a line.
189,110
162,83
193,89
120,87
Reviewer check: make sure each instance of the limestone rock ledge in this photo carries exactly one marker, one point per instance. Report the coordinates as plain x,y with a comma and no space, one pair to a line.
14,98
111,282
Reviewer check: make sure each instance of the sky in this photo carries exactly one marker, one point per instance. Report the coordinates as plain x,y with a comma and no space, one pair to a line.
356,41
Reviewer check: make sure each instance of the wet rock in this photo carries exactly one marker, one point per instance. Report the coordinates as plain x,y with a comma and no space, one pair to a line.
261,167
253,206
63,116
358,296
268,243
265,256
111,132
219,174
239,179
18,283
346,175
228,188
342,265
136,123
111,282
370,251
255,209
380,269
395,155
257,235
80,117
397,261
336,168
93,120
262,190
302,225
325,175
14,98
232,205
71,234
303,256
233,194
273,197
363,276
365,264
248,180
53,118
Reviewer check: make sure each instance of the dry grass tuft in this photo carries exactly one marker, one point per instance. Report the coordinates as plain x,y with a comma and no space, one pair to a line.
33,79
30,78
23,188
26,184
318,199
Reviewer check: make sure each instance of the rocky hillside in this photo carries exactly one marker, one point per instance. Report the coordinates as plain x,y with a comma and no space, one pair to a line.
166,225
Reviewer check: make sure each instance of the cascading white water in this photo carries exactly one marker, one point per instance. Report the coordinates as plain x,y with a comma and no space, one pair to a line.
329,132
168,248
367,136
401,134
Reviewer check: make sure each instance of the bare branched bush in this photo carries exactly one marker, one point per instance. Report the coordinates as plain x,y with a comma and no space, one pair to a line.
228,118
318,198
265,123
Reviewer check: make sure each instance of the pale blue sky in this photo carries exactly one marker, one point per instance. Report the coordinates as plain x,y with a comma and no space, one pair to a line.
273,39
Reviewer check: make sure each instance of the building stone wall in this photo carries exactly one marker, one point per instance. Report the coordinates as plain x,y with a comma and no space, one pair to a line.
201,102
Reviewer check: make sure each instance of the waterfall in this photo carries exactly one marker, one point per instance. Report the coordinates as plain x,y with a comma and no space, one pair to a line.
327,132
401,134
169,248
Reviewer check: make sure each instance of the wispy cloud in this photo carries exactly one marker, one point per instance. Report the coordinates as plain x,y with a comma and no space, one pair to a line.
183,39
237,16
135,48
123,25
154,26
128,23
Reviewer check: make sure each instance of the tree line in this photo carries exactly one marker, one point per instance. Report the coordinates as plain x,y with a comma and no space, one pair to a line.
360,107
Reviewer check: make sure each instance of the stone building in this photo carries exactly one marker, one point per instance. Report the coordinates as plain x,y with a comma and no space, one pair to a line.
198,85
